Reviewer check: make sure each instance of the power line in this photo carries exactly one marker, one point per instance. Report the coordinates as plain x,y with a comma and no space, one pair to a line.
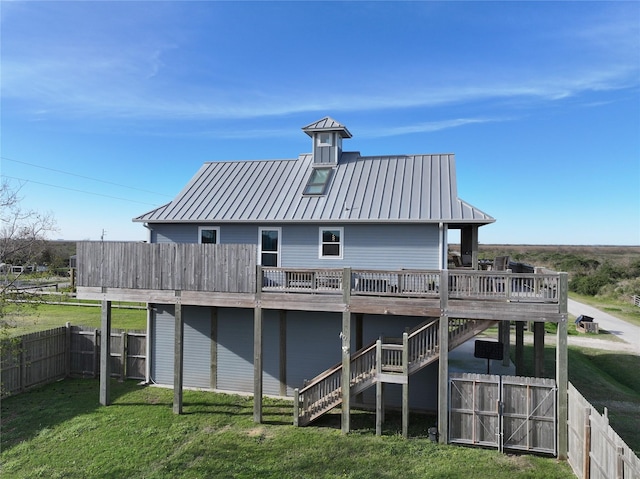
84,177
78,191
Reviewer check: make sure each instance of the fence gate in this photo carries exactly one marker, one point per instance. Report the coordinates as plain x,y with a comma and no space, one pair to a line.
504,412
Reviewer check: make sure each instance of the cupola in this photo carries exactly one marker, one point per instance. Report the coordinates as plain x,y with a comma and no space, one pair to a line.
326,135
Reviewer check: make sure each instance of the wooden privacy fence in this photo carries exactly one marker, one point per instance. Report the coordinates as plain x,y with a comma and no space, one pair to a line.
72,351
227,268
595,450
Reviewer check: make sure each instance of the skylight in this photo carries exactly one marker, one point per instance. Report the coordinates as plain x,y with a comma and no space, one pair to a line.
318,181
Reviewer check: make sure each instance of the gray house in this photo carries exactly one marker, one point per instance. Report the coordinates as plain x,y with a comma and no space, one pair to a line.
291,277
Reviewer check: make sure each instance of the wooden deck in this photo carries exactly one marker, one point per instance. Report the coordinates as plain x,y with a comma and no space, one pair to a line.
227,276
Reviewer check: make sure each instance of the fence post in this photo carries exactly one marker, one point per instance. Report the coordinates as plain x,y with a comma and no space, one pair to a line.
23,366
586,459
123,355
96,352
296,407
67,368
619,462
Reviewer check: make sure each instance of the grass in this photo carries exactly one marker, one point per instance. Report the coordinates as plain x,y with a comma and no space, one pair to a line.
26,318
61,431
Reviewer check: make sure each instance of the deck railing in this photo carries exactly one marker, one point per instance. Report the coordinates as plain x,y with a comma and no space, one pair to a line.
512,287
230,268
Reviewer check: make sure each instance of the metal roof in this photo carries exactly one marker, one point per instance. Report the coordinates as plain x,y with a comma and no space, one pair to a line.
404,188
326,124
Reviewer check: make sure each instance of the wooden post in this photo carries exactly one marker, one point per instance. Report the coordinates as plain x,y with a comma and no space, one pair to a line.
213,374
105,353
619,462
257,363
379,390
96,353
506,343
405,385
359,344
123,355
283,353
257,349
178,356
67,367
519,348
538,349
443,360
562,370
586,458
346,351
296,407
23,365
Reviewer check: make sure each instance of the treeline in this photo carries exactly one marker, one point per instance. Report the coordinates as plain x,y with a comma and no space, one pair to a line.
593,270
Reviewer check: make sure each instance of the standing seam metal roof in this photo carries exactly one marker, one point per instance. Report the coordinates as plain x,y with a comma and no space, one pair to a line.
404,188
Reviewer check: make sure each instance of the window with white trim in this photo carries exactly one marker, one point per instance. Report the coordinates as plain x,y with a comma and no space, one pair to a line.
331,242
209,234
324,139
269,242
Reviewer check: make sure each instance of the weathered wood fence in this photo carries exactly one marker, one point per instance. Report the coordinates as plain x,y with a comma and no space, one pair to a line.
505,412
72,351
595,450
227,268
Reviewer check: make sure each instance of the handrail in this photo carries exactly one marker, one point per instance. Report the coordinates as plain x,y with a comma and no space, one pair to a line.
467,284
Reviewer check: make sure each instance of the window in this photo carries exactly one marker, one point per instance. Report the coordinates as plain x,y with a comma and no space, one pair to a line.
331,242
209,234
324,139
269,239
318,181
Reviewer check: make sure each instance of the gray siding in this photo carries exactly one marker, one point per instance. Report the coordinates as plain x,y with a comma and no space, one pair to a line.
235,351
197,346
365,246
313,345
162,345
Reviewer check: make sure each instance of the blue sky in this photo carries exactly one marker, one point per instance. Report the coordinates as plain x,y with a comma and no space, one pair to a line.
109,108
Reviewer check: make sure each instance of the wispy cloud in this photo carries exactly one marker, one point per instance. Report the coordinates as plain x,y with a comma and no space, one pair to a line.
111,80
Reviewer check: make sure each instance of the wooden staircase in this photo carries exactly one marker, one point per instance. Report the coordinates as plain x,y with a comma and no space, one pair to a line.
381,361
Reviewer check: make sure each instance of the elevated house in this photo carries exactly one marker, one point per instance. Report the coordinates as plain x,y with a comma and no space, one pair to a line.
322,278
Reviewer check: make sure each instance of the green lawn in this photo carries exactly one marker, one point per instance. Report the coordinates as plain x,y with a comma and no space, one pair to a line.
623,310
61,431
28,318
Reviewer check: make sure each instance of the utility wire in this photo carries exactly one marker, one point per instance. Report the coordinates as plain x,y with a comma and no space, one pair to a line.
84,177
78,191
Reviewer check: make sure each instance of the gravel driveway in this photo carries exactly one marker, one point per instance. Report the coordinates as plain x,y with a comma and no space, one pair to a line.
628,333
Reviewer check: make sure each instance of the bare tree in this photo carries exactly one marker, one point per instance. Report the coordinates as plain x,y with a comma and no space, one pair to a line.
22,239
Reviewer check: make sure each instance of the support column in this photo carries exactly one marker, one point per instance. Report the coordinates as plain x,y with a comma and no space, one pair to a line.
379,390
105,354
178,356
346,351
538,349
506,342
257,364
405,385
283,353
443,362
213,373
519,348
562,376
257,350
